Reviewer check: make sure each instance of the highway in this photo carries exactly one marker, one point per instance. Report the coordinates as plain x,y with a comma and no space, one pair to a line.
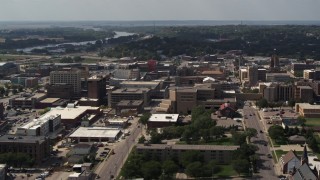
265,166
111,167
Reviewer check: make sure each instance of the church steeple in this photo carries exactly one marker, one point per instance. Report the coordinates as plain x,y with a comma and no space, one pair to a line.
304,157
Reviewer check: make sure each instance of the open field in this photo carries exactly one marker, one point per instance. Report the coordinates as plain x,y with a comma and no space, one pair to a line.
11,57
312,122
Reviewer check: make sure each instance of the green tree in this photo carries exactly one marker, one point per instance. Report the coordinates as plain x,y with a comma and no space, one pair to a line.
301,121
169,167
155,137
142,139
238,138
251,132
217,131
190,156
77,59
151,170
241,166
194,169
132,167
276,131
262,103
291,103
144,118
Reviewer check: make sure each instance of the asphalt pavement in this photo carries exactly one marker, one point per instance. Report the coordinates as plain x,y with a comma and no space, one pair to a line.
110,168
266,164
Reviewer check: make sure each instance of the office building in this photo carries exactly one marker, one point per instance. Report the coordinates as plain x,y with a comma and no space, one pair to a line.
97,88
298,68
277,77
45,124
72,77
311,74
115,96
221,154
274,92
303,93
27,100
63,91
162,120
252,75
262,75
37,147
274,62
95,134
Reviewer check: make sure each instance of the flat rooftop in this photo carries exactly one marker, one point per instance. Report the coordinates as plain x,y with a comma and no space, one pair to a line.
188,147
164,118
95,132
308,106
130,103
130,91
21,139
70,113
140,82
50,100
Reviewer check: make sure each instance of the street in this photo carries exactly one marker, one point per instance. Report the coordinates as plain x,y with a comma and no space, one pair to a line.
111,167
266,165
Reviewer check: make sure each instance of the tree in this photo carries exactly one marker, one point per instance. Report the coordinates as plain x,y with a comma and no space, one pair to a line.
132,167
190,156
169,167
250,132
262,103
238,138
301,120
217,131
144,118
241,166
155,137
77,59
151,170
291,103
142,139
276,132
194,169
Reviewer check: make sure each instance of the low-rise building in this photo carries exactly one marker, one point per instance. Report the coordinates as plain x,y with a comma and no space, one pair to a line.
42,126
307,110
37,147
134,106
162,120
221,154
115,96
95,134
29,101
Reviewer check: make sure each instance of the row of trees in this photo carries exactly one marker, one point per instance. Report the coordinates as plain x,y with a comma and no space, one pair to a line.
16,159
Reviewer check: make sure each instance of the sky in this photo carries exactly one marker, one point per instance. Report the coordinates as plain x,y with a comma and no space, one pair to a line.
117,10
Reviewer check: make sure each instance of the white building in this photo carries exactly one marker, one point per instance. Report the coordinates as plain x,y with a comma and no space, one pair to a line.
95,134
42,126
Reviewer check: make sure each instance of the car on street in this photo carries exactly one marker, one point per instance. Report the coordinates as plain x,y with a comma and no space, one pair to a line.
269,156
261,131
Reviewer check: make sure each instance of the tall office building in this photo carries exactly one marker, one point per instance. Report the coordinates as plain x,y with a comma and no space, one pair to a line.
274,62
253,75
72,77
97,87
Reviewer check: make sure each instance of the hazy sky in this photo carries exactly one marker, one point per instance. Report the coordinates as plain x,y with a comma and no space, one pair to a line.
19,10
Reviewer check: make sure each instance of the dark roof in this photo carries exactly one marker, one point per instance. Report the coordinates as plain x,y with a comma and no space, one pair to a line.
22,139
287,157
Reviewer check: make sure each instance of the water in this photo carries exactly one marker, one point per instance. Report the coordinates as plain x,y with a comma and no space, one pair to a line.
29,49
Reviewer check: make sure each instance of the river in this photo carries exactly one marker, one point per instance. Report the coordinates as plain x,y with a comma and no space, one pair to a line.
29,49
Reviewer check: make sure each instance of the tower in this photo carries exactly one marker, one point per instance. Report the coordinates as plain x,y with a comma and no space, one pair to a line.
304,157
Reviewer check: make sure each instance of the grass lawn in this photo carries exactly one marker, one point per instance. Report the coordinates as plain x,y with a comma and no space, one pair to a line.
226,171
311,122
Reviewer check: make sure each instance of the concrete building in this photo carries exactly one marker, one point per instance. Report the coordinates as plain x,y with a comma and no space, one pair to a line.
303,93
252,75
72,77
97,88
27,100
95,134
115,96
298,68
63,91
274,92
311,74
133,106
162,120
42,126
222,154
243,74
278,77
307,110
37,147
262,75
274,62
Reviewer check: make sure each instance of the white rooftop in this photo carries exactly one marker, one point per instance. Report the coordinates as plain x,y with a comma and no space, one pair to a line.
164,118
70,113
95,132
40,121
